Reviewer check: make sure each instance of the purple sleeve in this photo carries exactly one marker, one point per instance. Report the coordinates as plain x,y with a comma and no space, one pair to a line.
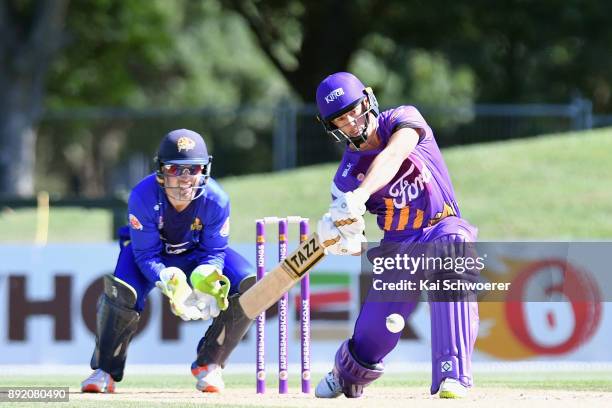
405,116
343,180
144,236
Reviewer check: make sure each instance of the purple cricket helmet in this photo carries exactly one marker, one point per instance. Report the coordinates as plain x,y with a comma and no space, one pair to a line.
338,94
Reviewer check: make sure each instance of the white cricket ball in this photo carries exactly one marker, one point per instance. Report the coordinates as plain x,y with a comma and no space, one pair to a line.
395,323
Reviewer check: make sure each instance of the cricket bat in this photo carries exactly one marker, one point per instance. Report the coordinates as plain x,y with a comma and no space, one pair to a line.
280,279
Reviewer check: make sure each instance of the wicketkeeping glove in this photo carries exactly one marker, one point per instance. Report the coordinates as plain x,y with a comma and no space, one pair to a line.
173,283
347,212
210,291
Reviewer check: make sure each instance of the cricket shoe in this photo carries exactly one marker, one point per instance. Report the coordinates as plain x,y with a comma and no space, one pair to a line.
99,382
452,388
209,377
329,387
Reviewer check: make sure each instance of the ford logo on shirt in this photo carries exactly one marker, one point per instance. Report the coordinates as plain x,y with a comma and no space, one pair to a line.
403,191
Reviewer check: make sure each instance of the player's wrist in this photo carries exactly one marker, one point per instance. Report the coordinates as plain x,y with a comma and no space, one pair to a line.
200,275
361,195
209,280
170,274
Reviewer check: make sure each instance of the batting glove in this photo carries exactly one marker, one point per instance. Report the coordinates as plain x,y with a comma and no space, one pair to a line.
347,212
334,241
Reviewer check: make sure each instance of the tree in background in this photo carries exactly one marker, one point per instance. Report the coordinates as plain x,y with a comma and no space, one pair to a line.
142,55
400,75
525,51
518,51
228,53
31,34
308,40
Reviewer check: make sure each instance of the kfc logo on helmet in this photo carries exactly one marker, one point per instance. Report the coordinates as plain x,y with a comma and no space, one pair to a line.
333,95
134,223
185,143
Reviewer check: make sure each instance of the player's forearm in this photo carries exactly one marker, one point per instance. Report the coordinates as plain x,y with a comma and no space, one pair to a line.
212,249
381,172
151,269
149,263
217,259
388,162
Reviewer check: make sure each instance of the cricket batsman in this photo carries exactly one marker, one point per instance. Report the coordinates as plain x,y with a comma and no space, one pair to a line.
176,239
392,167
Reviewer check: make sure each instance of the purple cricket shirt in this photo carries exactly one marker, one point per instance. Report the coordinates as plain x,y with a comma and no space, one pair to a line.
420,194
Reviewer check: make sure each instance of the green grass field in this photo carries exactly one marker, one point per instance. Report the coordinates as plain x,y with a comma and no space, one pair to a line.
584,381
550,187
178,390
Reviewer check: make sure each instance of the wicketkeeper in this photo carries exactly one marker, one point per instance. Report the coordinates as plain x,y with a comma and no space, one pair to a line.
176,239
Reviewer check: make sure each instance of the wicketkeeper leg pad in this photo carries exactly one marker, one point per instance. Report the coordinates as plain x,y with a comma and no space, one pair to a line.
223,335
117,322
246,283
